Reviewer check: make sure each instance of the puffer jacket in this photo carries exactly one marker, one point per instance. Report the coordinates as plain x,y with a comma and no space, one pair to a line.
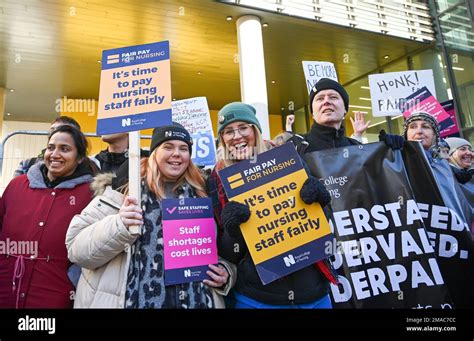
99,242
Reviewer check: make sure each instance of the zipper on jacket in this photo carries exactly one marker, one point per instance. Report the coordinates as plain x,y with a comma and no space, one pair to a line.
109,204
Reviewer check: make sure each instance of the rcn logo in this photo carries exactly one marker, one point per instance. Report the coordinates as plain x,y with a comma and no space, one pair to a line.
289,261
126,122
187,273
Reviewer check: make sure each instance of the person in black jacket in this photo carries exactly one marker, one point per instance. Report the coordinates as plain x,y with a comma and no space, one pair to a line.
329,103
116,153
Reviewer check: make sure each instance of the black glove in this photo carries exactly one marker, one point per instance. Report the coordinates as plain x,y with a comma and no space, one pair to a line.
314,191
462,175
234,214
395,142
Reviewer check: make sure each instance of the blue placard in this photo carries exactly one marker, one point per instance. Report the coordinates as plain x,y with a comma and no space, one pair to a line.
204,150
285,158
135,88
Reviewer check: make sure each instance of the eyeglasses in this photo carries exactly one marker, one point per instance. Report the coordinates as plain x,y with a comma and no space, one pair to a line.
244,130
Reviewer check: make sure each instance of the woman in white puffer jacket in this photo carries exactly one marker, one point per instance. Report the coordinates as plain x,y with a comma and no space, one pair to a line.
121,269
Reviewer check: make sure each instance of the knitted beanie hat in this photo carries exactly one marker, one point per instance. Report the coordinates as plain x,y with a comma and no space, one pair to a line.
326,84
174,131
423,116
237,111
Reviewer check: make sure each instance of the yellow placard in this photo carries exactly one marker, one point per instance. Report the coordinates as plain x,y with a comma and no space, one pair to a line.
280,220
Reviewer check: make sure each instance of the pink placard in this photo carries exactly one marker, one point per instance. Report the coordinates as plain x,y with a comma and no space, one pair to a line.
189,242
453,128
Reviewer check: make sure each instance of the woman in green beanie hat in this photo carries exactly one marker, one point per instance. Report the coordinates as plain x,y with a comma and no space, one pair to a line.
240,139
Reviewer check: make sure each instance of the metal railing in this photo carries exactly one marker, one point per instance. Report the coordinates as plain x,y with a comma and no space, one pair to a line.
41,133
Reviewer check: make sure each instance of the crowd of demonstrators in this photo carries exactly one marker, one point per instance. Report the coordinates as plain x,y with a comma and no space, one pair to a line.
35,211
122,269
26,164
118,268
240,139
329,104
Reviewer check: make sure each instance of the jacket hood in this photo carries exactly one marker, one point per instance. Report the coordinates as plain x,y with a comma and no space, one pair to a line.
36,180
100,182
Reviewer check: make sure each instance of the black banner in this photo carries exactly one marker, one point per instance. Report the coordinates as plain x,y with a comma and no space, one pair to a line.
444,211
382,251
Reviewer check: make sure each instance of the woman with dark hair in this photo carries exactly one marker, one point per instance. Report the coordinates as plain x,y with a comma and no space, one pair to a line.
35,212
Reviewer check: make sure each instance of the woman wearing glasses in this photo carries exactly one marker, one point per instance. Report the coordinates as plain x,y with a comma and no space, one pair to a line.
240,139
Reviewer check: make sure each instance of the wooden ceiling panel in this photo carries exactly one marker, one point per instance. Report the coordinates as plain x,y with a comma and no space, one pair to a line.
59,43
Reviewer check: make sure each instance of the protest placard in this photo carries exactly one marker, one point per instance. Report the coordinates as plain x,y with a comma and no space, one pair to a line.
387,89
384,255
135,94
135,88
189,238
314,71
422,100
283,233
193,114
453,129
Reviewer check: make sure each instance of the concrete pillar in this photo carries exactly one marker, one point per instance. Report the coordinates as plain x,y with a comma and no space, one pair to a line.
3,94
253,84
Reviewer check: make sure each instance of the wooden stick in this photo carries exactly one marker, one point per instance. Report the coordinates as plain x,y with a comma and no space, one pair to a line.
134,172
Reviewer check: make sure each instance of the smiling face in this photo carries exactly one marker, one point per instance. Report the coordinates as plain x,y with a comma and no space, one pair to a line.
173,159
463,156
328,108
421,131
61,157
239,138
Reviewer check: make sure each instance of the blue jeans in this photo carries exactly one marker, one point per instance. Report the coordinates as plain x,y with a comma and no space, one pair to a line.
244,302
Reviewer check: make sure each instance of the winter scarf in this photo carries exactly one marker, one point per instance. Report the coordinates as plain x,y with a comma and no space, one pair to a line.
145,283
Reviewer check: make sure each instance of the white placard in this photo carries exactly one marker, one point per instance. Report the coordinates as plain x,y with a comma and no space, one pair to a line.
193,114
387,89
314,71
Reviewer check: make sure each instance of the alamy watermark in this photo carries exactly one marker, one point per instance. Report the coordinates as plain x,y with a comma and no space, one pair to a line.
28,323
19,247
68,105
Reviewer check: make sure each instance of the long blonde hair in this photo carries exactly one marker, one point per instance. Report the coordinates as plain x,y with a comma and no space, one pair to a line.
150,172
223,151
